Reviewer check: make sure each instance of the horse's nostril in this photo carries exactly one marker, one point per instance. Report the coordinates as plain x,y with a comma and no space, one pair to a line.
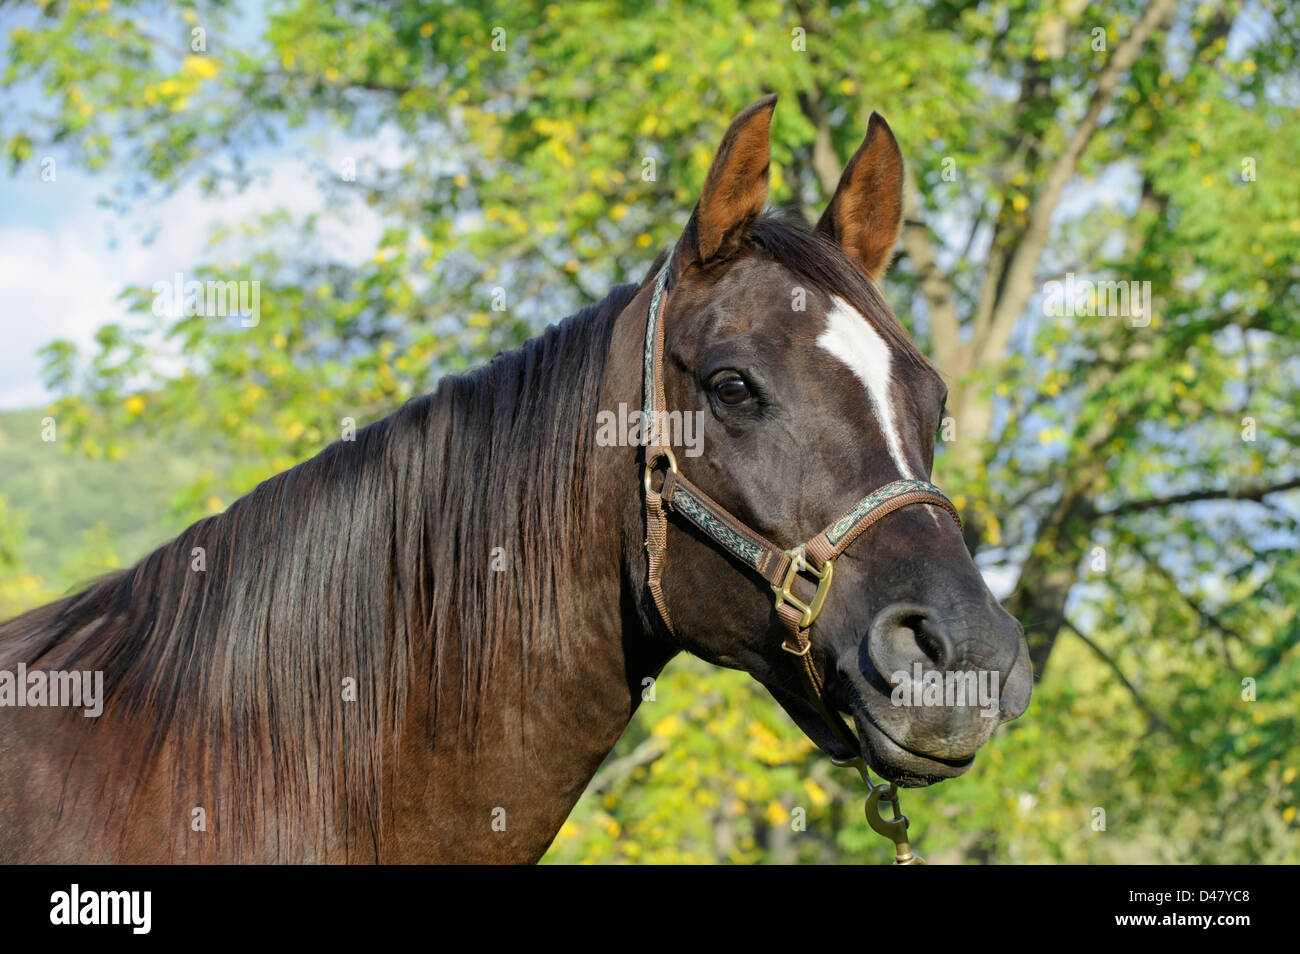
926,641
907,635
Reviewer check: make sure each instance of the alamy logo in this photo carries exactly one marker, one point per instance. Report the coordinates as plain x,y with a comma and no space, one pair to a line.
1084,298
624,428
211,299
931,688
102,907
55,688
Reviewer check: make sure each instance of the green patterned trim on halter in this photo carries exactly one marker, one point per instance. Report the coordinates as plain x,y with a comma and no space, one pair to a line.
835,533
650,416
738,546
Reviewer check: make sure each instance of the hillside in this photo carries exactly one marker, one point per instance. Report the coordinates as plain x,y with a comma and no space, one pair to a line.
67,518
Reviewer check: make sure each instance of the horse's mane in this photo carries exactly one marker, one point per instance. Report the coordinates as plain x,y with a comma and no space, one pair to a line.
336,568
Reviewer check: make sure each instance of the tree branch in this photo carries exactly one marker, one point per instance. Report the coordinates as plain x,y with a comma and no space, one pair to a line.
825,164
1155,718
1018,284
620,768
945,338
1206,617
1155,503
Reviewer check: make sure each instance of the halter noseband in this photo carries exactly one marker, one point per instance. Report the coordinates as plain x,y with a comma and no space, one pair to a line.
779,567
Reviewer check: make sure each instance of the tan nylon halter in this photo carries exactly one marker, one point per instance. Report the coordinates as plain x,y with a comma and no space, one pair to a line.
780,567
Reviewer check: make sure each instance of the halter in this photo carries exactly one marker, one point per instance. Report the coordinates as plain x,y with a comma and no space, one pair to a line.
779,567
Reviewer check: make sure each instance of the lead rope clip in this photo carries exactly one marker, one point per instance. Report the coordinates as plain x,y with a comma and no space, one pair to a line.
894,828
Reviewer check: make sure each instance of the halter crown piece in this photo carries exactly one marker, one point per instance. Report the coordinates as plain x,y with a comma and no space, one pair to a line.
780,567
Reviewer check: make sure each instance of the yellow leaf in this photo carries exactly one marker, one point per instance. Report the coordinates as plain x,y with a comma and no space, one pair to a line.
666,727
775,814
815,792
993,531
203,67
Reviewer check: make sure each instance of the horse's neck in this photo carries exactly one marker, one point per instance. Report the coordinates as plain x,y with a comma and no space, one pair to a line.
503,791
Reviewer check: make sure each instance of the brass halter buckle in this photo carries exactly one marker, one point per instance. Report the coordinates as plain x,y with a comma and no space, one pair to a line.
799,564
651,464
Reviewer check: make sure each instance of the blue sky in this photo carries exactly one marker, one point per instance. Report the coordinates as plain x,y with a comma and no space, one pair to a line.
64,259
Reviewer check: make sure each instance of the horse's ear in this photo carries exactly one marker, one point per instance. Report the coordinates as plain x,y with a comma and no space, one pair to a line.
866,213
736,186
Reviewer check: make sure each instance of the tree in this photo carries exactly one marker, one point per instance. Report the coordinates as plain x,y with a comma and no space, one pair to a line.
1129,449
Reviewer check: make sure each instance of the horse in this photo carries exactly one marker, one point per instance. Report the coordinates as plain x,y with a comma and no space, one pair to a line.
420,644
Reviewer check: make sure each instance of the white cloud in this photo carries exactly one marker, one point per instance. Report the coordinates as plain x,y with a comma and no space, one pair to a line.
53,285
63,281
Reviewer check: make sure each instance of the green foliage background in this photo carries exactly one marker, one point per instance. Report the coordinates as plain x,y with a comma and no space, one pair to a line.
523,168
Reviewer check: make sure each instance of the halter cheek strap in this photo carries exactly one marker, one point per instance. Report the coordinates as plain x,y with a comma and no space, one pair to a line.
656,516
779,567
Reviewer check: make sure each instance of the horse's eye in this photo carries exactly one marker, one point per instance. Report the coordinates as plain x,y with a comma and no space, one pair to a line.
731,389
